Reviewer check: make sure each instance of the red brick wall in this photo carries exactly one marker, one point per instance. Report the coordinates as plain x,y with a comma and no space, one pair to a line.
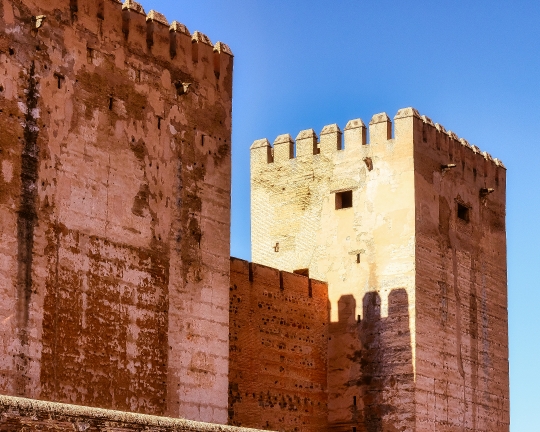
278,349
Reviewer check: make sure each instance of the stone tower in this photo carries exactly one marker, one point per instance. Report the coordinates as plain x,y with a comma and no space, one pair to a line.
115,130
409,232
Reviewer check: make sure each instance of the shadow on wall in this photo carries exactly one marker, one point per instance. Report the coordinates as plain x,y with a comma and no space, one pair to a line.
370,374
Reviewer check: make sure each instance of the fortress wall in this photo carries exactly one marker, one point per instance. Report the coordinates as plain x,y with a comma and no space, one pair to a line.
462,324
114,208
278,349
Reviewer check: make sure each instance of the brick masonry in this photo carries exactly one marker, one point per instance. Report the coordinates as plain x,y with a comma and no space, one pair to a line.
114,209
278,349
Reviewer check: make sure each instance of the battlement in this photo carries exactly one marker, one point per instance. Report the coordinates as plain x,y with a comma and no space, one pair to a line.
149,33
274,280
408,125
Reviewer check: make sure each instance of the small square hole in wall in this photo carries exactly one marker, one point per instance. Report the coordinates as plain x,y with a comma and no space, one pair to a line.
343,200
303,272
463,212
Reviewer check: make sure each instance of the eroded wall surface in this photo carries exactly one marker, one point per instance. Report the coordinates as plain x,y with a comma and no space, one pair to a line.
114,209
278,349
461,296
25,415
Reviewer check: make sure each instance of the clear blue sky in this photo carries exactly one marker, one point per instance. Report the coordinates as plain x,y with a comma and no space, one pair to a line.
474,67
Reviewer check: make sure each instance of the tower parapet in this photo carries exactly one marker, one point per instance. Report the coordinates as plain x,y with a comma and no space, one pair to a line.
408,125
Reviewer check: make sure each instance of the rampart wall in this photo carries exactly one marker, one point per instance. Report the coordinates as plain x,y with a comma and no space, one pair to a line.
278,349
114,209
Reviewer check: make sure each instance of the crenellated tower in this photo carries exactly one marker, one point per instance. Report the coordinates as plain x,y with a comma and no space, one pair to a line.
408,229
114,208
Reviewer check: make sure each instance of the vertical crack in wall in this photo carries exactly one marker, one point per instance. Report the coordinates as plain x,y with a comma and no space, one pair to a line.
26,220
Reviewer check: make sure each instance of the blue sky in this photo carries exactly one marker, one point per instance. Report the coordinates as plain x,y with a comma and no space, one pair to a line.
474,67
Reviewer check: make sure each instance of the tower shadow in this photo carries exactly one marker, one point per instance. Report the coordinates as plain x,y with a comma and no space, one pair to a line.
370,371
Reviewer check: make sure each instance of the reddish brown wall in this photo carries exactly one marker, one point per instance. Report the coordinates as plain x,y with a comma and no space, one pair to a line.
461,294
278,346
114,209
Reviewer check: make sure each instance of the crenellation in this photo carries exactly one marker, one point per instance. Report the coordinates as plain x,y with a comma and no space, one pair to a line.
355,134
155,16
283,148
408,126
178,27
306,143
380,128
134,6
330,139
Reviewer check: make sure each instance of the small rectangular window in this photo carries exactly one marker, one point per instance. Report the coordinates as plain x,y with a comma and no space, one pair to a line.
463,212
354,400
343,200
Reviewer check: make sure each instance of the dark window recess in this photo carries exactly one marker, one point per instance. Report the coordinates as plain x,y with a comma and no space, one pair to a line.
343,200
353,429
463,212
354,400
358,258
303,272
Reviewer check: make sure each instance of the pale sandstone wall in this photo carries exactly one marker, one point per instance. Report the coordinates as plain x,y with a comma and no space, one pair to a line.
114,209
461,294
278,349
293,204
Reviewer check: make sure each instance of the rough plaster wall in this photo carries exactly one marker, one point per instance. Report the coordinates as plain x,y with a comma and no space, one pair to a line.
115,209
25,415
462,324
278,349
293,204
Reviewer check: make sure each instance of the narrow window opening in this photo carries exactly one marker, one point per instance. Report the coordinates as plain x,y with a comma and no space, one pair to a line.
358,258
358,319
110,103
354,429
89,55
343,200
310,290
424,135
276,247
303,272
159,123
463,212
11,51
202,140
354,401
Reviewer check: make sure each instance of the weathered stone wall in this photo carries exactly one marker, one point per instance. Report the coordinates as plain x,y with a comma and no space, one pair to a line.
278,349
25,415
400,239
114,209
360,251
461,300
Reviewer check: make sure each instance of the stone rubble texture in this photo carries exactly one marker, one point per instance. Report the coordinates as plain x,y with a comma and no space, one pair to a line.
419,329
